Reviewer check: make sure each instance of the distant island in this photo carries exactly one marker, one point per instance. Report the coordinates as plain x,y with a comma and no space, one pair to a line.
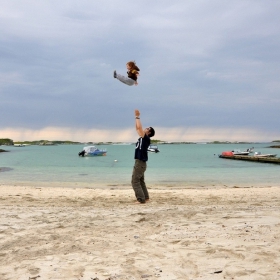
10,142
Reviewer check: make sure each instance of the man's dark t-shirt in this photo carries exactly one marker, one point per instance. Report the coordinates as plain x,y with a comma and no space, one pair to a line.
141,150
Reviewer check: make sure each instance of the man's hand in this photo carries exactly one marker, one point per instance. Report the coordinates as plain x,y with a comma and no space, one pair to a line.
137,113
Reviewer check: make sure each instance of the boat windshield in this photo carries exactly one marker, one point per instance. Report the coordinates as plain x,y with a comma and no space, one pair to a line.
89,149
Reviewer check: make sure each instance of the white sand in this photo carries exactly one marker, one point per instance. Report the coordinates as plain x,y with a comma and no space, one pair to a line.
86,234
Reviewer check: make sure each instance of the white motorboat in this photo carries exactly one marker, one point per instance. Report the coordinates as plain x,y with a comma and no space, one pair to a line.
259,154
91,151
242,153
153,149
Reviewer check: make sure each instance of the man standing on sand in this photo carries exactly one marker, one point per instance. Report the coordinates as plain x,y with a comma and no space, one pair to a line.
141,158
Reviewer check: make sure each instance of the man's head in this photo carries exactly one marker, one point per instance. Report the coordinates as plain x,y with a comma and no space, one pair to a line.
150,131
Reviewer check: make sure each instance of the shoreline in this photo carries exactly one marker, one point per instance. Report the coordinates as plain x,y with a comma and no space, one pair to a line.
68,233
127,186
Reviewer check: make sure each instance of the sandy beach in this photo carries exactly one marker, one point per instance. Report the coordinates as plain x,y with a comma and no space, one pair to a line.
86,234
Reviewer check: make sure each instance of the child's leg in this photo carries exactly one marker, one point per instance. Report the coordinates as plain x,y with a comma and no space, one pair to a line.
125,80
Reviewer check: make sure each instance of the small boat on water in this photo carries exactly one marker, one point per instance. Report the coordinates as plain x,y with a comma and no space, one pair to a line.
240,153
243,153
91,151
259,154
153,149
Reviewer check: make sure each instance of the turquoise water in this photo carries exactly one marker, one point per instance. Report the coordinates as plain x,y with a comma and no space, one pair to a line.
177,165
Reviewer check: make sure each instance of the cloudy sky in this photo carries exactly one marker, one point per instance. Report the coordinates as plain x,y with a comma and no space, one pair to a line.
209,69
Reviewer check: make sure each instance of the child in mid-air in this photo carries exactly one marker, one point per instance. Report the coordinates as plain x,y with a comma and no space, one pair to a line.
132,74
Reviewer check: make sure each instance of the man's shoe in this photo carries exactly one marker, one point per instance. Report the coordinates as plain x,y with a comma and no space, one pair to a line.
115,74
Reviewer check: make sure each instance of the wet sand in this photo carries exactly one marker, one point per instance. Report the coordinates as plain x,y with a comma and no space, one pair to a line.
86,234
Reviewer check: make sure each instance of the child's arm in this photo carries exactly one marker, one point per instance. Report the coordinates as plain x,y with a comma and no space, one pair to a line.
136,83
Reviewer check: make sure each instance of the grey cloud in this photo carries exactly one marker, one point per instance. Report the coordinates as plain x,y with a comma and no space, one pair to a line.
202,63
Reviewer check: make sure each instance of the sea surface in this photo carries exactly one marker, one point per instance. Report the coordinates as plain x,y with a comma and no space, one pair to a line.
177,165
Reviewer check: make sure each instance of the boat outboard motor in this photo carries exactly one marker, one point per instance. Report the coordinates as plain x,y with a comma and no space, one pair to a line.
82,153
